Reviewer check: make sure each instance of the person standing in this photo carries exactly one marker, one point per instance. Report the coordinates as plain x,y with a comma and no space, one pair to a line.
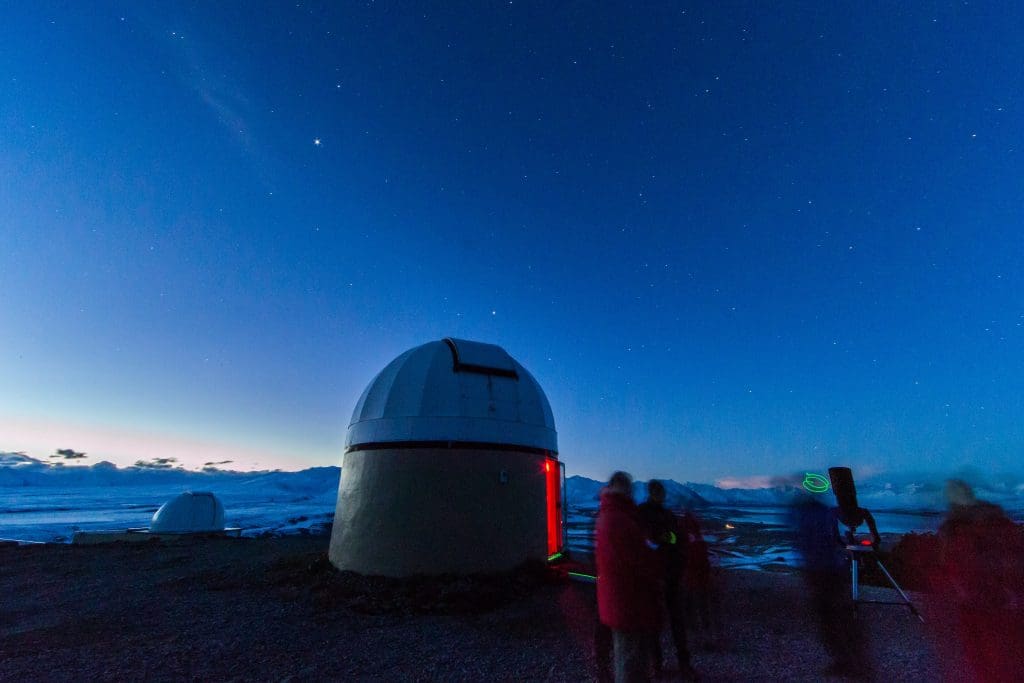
981,572
826,575
663,528
627,579
698,586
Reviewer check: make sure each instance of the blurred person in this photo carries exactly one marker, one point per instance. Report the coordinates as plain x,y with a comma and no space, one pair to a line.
627,579
663,529
603,651
698,588
981,584
827,577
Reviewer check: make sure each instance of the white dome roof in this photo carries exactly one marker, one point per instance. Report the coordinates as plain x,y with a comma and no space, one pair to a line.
454,390
189,513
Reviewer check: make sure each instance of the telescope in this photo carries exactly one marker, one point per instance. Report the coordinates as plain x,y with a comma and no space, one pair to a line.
853,516
849,513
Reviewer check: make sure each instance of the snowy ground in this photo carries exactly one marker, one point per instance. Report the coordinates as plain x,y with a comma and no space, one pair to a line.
49,515
752,537
55,515
745,529
757,538
41,503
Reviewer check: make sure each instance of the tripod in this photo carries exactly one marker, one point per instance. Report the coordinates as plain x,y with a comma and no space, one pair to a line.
858,552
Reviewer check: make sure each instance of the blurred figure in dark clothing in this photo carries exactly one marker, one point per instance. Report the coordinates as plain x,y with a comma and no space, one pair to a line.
981,583
826,574
698,589
663,529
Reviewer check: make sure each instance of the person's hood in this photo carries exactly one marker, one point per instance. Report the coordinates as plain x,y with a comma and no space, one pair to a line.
654,504
615,500
959,493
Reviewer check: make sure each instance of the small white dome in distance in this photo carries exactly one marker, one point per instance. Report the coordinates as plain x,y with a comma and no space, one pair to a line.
189,513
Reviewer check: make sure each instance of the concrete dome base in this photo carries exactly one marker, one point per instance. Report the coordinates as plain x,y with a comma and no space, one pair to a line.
430,510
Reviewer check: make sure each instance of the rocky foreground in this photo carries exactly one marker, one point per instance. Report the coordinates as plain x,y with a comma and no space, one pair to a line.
274,609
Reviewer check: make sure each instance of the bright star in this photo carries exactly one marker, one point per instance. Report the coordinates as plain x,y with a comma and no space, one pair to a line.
316,141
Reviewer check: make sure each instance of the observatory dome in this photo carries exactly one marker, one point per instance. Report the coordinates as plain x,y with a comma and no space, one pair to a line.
453,391
189,513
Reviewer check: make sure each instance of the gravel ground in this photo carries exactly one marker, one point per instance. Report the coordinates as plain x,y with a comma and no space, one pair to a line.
274,610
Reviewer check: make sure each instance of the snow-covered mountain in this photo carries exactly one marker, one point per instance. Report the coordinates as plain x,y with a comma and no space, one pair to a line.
920,493
911,492
583,493
40,500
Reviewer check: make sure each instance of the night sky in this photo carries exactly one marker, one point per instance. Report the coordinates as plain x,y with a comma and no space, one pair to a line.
730,240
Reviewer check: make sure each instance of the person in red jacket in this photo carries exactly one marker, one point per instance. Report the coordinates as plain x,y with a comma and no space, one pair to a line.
628,580
981,583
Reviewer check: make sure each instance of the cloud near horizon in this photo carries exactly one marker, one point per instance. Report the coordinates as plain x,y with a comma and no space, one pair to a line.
126,446
757,481
69,454
157,463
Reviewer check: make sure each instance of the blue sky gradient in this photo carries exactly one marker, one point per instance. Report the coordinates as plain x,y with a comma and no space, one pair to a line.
729,240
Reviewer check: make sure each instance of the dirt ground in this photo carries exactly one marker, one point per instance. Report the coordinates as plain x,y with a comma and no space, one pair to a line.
274,610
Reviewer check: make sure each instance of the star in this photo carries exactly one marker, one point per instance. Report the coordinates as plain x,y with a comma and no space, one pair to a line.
316,142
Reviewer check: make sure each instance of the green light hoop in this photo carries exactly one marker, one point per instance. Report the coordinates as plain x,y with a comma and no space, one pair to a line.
815,483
